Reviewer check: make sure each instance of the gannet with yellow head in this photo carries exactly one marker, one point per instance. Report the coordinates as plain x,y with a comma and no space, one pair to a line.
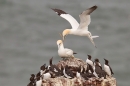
64,52
78,29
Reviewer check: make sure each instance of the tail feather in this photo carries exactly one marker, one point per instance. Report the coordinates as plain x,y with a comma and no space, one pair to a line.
94,37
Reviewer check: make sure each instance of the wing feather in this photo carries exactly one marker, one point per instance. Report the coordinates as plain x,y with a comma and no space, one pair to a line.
68,17
85,18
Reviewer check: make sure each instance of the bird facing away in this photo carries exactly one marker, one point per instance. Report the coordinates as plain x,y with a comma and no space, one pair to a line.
64,52
78,29
97,60
107,68
98,71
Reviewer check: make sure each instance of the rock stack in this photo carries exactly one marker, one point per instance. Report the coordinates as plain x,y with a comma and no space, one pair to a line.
65,73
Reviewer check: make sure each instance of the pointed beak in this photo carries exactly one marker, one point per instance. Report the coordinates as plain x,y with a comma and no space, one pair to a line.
63,38
59,44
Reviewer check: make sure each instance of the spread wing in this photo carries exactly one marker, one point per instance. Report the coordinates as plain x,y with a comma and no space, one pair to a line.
85,18
68,17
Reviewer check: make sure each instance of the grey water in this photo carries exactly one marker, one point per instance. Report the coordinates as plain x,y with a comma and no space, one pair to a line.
29,30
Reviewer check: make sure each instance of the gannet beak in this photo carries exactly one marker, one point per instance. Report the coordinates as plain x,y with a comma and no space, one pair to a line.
63,38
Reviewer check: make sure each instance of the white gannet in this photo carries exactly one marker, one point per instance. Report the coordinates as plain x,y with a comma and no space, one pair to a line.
78,29
64,52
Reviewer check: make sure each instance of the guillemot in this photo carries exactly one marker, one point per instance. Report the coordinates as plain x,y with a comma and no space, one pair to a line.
107,68
97,60
42,69
30,84
98,72
67,72
90,64
82,73
53,68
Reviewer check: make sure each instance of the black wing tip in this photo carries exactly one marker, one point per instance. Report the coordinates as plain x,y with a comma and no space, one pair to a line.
58,11
95,6
74,53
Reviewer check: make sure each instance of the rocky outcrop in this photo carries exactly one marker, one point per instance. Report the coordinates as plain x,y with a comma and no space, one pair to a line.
73,64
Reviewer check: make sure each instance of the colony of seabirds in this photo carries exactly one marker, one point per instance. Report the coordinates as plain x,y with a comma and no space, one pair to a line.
94,68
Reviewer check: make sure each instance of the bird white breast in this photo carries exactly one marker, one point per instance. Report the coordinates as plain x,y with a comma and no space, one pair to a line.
62,53
55,70
65,52
41,72
39,83
107,70
66,74
46,75
95,72
89,62
78,74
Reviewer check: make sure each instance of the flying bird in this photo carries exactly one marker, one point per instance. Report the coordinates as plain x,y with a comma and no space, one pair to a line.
78,29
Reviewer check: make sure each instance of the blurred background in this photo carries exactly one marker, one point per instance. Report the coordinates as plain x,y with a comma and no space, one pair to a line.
29,30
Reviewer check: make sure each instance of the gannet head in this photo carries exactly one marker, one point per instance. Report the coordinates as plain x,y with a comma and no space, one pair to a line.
65,32
59,42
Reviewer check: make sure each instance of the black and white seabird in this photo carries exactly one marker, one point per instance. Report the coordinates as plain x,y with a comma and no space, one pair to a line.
32,78
81,73
97,60
38,81
98,72
89,61
90,64
38,74
30,84
47,75
68,73
107,68
53,68
42,69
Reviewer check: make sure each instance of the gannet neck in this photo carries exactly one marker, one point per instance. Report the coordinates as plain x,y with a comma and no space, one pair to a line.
61,46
